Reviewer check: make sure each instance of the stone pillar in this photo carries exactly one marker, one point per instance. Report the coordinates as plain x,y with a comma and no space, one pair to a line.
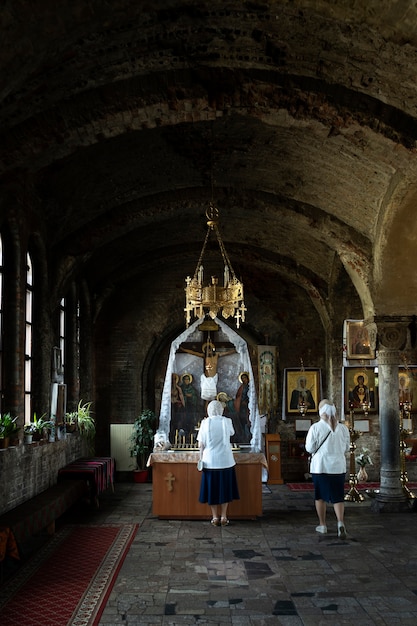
392,337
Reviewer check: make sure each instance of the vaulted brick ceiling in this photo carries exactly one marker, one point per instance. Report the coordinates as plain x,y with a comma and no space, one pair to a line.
298,118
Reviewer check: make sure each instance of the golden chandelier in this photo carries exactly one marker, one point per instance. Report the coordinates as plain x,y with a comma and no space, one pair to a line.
212,299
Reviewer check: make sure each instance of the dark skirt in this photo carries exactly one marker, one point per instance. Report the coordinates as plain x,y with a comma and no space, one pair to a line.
329,487
218,486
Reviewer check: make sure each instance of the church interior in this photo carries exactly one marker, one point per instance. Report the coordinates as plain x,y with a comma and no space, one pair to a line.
272,142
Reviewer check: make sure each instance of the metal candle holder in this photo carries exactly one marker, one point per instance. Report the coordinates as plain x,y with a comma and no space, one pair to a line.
353,494
302,407
405,409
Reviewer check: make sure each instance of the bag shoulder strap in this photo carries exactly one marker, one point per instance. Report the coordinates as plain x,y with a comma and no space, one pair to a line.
315,452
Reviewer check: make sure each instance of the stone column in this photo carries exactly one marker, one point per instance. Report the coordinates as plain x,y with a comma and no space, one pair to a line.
392,337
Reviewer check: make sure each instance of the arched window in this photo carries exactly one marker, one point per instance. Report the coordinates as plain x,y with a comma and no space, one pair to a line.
77,343
28,338
62,333
1,324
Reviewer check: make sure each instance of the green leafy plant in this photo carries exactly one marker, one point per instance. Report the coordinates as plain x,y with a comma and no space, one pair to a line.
29,429
141,439
85,423
41,424
8,426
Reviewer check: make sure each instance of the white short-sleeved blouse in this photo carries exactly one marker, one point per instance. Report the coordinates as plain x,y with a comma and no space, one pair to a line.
214,434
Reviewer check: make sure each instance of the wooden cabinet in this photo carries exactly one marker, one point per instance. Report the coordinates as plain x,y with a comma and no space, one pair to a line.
176,487
175,490
296,448
273,455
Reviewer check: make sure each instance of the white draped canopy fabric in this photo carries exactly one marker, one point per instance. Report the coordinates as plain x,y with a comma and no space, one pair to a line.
244,365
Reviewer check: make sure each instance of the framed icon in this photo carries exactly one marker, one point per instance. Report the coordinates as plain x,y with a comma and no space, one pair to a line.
361,390
302,385
357,340
407,386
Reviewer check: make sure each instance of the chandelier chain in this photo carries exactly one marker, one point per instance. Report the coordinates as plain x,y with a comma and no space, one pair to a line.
200,260
225,256
211,299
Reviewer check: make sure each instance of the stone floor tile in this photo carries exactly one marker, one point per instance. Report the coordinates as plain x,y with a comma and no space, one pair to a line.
275,570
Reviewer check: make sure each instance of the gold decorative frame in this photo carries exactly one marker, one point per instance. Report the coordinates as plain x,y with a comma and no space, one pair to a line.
357,341
410,375
351,397
313,386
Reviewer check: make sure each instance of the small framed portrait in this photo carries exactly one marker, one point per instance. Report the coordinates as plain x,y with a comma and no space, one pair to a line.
361,390
302,389
407,387
357,340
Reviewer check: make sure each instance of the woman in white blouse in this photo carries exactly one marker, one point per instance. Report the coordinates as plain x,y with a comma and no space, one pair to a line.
218,481
328,441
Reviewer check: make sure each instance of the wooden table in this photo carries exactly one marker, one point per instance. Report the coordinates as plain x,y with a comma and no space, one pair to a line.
176,486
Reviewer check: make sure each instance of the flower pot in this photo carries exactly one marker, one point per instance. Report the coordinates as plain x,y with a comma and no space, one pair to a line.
140,476
28,438
4,442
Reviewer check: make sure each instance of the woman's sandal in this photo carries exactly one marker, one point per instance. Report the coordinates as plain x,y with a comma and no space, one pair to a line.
215,521
224,521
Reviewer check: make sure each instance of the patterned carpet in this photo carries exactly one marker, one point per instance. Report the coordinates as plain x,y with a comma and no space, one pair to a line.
359,486
69,580
310,486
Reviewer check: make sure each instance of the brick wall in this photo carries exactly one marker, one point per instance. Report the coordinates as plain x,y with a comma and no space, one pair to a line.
29,469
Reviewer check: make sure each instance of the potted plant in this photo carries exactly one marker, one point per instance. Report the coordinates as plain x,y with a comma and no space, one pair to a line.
84,422
7,429
29,430
14,434
71,422
141,443
40,427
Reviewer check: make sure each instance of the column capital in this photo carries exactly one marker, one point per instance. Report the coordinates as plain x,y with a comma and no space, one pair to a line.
391,331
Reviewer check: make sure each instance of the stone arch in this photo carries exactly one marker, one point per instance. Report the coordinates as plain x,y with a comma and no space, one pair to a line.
395,254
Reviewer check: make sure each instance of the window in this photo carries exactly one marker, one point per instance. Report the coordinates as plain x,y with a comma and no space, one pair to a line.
62,326
28,338
77,344
1,324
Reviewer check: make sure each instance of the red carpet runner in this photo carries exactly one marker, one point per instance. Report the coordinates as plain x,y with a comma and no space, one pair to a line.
69,580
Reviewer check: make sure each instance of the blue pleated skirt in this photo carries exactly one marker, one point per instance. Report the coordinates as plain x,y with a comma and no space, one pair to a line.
218,486
329,487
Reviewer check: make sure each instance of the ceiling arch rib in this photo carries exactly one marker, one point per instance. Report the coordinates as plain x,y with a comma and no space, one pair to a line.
315,127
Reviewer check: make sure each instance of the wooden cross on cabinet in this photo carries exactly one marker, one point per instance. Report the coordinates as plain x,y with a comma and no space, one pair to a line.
169,478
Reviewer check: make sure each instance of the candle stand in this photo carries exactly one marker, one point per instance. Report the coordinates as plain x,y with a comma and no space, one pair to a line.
353,494
405,409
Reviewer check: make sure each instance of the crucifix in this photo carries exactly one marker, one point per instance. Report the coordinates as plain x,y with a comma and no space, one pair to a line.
169,478
209,376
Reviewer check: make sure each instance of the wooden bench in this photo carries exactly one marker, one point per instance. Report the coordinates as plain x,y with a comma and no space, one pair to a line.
41,511
98,472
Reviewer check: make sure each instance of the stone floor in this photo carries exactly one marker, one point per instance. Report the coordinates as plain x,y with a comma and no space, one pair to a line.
274,570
